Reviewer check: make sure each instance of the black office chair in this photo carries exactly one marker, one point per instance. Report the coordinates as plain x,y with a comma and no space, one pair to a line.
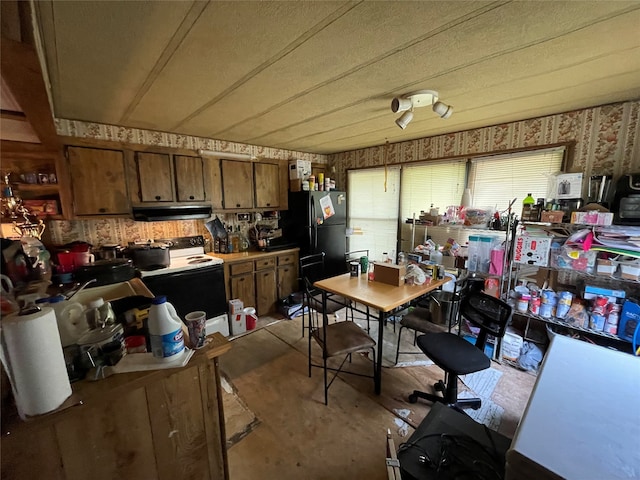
458,357
349,257
311,268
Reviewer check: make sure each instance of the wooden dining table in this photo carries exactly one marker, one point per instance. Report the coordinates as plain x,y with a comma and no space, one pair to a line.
379,296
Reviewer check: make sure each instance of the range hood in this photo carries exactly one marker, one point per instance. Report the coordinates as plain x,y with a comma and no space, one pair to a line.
173,212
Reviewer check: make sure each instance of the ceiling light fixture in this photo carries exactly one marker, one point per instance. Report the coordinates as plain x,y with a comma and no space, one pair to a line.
404,119
421,98
229,155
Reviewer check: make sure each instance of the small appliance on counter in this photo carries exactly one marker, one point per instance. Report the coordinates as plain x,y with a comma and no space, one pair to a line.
626,200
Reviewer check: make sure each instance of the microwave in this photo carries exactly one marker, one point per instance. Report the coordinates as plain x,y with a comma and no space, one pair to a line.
626,201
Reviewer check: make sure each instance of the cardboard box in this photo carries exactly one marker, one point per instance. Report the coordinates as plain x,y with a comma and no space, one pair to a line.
629,319
532,250
592,218
295,185
554,216
235,306
41,208
389,273
238,323
605,266
299,169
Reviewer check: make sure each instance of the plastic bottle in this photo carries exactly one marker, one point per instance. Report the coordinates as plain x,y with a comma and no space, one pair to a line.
435,256
402,259
527,206
473,253
165,329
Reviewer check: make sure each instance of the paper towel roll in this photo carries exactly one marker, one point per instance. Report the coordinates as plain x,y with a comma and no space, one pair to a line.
33,359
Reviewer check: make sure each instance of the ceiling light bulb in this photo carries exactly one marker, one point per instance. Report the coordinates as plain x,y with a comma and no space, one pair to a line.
442,109
404,120
400,104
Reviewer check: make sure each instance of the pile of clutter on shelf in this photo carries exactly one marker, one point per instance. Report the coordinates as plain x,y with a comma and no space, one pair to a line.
611,251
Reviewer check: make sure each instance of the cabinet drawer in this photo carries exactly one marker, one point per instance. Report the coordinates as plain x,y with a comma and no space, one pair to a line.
265,263
238,268
287,259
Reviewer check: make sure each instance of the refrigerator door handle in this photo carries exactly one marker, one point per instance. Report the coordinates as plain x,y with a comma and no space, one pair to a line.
314,226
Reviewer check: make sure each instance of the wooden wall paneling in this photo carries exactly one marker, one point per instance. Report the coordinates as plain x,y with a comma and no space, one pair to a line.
113,440
41,460
178,426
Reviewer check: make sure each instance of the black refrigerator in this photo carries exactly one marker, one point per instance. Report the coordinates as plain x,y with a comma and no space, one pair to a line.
318,229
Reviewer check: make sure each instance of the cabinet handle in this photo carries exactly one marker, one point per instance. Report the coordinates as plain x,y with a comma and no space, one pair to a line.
268,204
237,205
242,279
191,197
102,210
158,197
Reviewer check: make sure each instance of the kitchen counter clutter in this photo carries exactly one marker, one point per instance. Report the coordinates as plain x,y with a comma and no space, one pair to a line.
163,424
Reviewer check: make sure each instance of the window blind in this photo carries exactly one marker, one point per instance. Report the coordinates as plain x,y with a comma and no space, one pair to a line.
496,180
372,211
437,183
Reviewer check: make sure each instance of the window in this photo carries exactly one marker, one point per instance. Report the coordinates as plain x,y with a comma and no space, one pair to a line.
439,183
496,180
373,213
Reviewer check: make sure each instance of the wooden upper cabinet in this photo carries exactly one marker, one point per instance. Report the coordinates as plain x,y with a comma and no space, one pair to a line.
237,184
189,178
213,181
155,178
267,185
98,181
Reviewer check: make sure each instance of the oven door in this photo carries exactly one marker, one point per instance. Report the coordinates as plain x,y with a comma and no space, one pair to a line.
191,290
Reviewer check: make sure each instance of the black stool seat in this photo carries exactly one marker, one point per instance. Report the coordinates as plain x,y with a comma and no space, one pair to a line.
453,353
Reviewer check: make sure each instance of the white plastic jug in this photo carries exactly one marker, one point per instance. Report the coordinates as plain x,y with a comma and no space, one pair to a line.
165,329
70,319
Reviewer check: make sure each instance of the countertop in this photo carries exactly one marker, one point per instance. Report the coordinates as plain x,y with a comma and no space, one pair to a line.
88,393
251,255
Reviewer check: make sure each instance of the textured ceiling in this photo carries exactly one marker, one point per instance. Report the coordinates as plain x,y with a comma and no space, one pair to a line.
319,76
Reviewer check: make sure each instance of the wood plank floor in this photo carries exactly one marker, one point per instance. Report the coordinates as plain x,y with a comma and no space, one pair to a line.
299,437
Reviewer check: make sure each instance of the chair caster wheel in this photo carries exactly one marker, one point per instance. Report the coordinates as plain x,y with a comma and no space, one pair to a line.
413,398
475,407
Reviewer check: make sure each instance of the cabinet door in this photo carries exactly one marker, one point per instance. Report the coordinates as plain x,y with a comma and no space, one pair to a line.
98,181
266,292
213,181
267,185
189,178
242,287
237,181
154,177
287,280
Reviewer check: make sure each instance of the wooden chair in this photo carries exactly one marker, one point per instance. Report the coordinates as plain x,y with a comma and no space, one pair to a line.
335,339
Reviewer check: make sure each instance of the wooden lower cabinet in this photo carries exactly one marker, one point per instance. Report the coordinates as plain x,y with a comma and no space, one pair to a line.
266,291
262,281
166,424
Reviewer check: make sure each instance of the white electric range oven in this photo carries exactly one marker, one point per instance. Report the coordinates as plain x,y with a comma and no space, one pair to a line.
192,281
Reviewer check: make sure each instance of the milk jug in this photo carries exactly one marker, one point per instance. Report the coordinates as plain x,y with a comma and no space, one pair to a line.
165,329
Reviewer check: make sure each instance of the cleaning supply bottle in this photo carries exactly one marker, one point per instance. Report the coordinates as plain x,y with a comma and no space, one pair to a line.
527,207
165,329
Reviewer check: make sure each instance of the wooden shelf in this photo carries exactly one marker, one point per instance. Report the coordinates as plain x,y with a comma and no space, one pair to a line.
43,189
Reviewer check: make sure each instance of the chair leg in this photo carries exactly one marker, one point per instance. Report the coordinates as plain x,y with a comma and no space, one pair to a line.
326,388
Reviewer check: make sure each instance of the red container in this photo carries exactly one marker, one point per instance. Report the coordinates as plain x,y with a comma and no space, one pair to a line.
250,317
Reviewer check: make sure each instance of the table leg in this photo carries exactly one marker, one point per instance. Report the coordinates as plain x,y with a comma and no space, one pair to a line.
378,378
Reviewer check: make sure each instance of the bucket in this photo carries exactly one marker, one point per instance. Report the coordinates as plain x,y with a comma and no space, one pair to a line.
440,305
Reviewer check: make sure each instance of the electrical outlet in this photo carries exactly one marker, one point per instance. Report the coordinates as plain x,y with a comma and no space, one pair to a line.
244,217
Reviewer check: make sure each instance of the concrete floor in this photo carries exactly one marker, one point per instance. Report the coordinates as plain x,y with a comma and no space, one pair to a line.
299,437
